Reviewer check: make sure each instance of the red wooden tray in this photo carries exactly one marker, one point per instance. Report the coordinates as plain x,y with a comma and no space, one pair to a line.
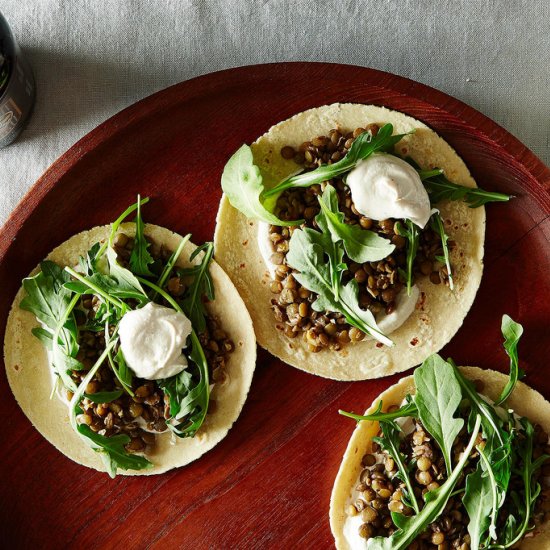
267,485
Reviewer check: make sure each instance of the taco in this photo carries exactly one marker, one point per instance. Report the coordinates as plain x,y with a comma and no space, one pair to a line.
448,458
142,338
355,236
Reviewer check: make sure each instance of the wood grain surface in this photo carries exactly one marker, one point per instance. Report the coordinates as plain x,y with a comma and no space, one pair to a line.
267,485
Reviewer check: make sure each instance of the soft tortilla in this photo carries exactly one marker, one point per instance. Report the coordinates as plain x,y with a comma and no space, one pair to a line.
439,313
30,379
524,400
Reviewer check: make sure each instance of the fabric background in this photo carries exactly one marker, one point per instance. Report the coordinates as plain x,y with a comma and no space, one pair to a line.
92,58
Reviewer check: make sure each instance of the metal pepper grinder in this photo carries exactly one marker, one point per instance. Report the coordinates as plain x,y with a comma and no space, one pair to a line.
17,88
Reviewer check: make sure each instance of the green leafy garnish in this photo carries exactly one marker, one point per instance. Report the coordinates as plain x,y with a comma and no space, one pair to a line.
140,259
103,396
306,254
243,185
411,232
479,501
527,465
172,261
390,442
512,332
200,286
53,305
436,223
112,451
439,188
122,371
361,245
407,410
362,147
437,399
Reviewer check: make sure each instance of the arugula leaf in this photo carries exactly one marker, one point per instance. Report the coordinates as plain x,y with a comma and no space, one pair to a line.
363,146
140,259
188,394
306,254
52,304
121,274
390,442
172,261
435,501
439,188
44,336
88,264
105,285
438,395
116,224
103,396
512,332
436,223
361,245
243,185
411,232
46,298
407,410
112,451
200,286
479,502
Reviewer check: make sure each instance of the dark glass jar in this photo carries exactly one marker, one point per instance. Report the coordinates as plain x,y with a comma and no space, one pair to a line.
17,89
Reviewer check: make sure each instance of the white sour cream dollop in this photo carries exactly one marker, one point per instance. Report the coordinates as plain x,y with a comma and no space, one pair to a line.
385,186
151,339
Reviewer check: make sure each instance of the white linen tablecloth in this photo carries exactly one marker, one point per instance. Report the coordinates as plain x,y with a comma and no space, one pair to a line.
92,58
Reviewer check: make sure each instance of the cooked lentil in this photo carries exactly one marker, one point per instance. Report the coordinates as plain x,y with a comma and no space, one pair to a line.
379,282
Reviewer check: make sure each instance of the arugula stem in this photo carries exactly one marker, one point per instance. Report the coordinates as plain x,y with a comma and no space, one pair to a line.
115,301
494,496
438,226
409,410
359,324
116,225
171,262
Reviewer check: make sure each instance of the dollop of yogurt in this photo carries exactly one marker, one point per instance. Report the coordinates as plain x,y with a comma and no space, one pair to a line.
152,339
384,186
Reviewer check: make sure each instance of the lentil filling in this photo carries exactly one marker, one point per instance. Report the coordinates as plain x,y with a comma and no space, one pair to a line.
146,413
380,492
379,282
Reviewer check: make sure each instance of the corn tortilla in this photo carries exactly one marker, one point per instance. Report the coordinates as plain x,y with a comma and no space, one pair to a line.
439,312
29,375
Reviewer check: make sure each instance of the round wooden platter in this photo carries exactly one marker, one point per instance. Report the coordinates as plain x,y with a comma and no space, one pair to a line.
267,485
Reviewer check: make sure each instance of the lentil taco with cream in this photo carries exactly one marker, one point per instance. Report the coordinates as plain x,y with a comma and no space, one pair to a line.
130,349
448,458
355,236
